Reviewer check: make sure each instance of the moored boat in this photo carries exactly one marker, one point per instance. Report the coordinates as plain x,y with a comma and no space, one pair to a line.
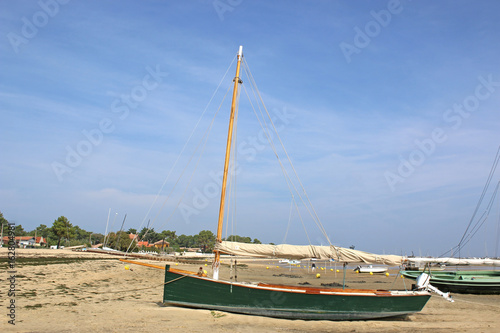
371,269
465,282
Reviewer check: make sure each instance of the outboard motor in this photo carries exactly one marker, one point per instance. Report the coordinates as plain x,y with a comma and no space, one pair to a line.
423,283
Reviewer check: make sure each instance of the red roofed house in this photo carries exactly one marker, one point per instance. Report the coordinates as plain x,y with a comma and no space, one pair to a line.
23,241
40,241
144,243
139,242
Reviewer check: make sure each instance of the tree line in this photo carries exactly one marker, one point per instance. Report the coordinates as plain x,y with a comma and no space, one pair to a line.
62,232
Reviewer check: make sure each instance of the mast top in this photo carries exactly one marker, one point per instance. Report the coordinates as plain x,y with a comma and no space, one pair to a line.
240,52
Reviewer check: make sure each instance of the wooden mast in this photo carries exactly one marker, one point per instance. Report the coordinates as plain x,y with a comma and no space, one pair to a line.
237,81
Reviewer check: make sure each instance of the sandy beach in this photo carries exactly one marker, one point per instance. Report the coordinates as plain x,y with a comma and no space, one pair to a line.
65,291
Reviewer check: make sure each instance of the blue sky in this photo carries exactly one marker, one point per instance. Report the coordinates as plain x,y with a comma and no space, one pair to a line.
391,115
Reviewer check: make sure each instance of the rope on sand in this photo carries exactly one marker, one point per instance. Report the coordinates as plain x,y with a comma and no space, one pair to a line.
129,290
471,302
142,263
138,289
477,303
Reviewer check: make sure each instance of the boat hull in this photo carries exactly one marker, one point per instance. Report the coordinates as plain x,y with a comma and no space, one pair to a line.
463,282
280,301
371,269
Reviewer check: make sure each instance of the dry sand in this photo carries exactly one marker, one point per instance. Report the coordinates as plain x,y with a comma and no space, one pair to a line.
100,295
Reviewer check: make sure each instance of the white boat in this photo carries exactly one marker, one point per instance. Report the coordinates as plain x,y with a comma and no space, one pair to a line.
371,269
422,266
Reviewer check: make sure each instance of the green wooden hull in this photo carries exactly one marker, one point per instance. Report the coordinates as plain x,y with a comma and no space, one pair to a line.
464,282
279,301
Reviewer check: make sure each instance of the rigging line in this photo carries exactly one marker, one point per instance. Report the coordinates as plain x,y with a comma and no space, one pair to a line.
315,216
185,145
487,212
289,220
203,140
302,220
207,133
467,232
273,147
498,233
183,194
119,233
288,179
476,227
492,171
271,143
480,221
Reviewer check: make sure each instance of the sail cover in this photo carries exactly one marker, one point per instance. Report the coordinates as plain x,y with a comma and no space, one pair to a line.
456,261
336,253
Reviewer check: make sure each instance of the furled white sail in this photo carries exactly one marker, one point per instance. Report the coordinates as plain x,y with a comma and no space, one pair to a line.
336,253
456,261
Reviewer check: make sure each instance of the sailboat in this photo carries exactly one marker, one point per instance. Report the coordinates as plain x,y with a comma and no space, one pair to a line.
465,281
196,290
